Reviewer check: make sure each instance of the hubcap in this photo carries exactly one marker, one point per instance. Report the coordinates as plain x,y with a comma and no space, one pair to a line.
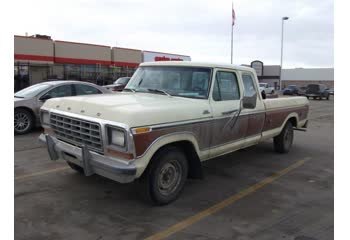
21,122
169,177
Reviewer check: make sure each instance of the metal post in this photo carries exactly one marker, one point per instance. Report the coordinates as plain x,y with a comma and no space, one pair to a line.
280,80
231,44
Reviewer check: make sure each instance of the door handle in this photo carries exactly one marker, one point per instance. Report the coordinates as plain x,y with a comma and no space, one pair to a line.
229,112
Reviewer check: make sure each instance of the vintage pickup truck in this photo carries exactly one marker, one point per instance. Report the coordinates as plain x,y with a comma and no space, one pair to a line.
170,117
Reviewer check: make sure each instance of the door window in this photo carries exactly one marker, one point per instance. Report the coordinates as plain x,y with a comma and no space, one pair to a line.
60,91
82,89
225,86
249,88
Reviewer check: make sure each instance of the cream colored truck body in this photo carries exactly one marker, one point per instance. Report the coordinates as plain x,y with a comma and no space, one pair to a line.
151,121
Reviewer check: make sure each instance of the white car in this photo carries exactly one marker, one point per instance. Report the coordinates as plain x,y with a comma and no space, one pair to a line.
264,87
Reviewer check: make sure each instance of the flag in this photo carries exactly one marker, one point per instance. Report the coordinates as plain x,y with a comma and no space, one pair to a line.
233,16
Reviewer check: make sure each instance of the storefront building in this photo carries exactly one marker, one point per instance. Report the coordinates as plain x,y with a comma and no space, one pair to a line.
39,58
295,76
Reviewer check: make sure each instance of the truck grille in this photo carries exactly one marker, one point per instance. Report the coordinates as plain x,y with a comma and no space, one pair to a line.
77,132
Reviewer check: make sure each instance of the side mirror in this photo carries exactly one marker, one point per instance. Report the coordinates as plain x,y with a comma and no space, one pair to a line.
249,102
45,97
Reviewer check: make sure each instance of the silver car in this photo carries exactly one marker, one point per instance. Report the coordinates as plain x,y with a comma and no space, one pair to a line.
29,100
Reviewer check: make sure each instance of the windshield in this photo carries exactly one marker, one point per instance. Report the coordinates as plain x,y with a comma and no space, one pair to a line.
123,80
262,84
32,90
292,87
191,82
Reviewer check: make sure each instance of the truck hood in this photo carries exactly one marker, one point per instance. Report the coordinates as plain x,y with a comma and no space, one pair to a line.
133,109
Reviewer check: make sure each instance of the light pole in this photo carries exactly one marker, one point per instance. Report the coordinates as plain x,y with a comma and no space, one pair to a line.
280,82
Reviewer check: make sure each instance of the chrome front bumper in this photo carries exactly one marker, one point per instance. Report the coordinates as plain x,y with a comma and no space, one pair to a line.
91,162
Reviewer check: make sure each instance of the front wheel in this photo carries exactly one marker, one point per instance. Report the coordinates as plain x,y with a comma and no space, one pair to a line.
283,142
165,177
23,121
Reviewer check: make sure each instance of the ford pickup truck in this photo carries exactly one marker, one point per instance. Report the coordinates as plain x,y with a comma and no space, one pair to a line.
170,118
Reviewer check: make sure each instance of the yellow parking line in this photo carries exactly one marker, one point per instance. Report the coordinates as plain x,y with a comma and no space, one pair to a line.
221,205
41,173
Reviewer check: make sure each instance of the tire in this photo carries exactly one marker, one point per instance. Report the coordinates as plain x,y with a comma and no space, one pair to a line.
307,97
23,121
283,142
76,167
327,97
272,92
165,177
314,98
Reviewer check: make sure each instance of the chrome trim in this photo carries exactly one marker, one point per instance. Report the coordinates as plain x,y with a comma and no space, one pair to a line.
77,131
180,123
92,162
116,147
41,119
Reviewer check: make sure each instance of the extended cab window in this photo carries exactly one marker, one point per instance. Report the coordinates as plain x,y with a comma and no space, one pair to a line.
248,82
225,86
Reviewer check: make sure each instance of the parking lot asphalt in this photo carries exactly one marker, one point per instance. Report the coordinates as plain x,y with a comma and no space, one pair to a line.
254,193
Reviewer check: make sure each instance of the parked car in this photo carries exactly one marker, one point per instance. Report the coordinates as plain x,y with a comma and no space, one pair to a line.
317,91
291,90
265,88
302,91
29,100
330,91
166,122
118,85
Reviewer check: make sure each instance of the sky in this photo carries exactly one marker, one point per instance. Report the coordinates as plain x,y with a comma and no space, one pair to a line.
198,28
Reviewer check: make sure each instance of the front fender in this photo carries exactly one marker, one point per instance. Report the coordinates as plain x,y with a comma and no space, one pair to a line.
142,161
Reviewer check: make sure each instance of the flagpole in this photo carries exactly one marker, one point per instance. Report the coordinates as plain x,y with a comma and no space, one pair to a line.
232,23
231,43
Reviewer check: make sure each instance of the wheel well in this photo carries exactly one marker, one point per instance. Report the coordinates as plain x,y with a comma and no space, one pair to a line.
194,163
30,111
293,120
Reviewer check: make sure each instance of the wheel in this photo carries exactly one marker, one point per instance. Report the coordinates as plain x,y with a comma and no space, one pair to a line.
307,97
314,98
272,92
23,121
283,142
327,97
165,177
76,167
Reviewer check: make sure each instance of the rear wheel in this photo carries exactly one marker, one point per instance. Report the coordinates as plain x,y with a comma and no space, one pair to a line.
23,120
283,142
165,177
76,167
327,97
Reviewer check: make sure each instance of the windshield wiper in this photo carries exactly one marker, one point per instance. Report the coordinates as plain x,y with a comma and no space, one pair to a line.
129,89
158,91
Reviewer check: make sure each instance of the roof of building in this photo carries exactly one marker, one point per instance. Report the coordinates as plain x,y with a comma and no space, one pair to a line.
305,74
196,64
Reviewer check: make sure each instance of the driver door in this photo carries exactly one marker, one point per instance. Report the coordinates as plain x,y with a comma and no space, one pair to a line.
228,130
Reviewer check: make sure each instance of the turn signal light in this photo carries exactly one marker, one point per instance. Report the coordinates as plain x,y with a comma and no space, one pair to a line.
141,130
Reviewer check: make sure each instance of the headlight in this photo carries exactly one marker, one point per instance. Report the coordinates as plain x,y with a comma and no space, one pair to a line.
45,118
116,137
